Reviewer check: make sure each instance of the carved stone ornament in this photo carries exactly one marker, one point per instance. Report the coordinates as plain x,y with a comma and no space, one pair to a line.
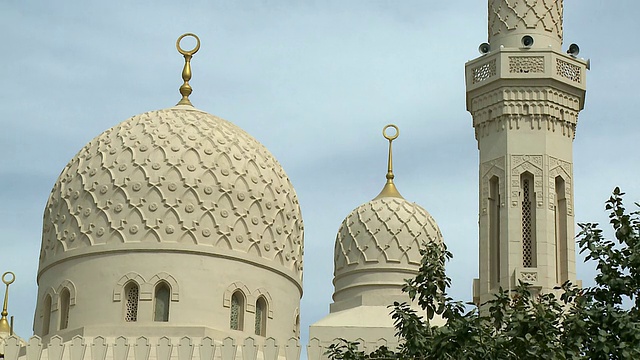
543,15
488,170
526,163
175,176
563,169
386,230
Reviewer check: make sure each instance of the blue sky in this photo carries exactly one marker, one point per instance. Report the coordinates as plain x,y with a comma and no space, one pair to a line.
315,82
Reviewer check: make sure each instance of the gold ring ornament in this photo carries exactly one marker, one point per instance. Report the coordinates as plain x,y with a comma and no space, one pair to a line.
192,51
4,278
390,137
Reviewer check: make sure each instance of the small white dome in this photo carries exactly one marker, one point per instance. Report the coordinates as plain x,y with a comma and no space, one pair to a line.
378,245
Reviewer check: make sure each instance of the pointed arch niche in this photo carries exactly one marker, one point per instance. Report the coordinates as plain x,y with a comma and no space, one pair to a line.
45,311
561,235
260,325
161,301
132,298
492,191
494,231
236,299
66,299
528,218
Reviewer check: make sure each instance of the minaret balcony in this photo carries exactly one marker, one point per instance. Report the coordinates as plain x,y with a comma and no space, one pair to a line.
514,65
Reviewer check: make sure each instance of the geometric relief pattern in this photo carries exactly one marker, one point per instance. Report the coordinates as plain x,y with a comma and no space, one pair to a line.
567,70
175,176
519,165
488,170
484,71
526,64
529,277
386,230
563,169
507,15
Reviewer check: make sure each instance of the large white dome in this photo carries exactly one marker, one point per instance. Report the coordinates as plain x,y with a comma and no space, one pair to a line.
177,201
177,177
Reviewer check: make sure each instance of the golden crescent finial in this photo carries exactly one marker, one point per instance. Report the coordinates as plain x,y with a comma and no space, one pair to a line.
4,324
185,89
389,189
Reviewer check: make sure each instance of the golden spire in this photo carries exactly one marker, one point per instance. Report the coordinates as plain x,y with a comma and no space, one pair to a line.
185,89
389,189
4,324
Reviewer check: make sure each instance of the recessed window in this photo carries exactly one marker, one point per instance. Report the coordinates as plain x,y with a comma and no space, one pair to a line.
132,294
64,308
529,246
161,306
237,311
46,315
261,317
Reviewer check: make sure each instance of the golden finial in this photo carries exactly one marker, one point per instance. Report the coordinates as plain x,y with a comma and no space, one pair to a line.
389,189
185,89
4,324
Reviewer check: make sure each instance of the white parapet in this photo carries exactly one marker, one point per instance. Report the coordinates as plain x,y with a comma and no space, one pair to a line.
143,348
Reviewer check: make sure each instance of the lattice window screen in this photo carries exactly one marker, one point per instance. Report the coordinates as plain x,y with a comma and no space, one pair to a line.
131,306
235,313
527,233
259,314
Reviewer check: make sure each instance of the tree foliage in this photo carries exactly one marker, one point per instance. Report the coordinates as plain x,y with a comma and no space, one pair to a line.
600,322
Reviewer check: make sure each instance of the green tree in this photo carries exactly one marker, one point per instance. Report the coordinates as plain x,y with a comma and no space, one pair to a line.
600,322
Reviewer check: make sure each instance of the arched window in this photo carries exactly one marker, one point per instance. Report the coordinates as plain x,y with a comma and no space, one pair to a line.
261,317
46,315
296,326
529,246
132,292
161,306
562,267
237,311
64,308
494,232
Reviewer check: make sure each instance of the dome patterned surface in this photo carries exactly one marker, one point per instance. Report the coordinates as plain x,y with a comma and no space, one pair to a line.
175,176
388,230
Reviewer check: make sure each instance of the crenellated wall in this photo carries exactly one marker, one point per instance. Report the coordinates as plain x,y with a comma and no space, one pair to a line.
143,348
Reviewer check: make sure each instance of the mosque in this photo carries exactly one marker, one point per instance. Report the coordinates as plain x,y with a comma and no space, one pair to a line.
175,234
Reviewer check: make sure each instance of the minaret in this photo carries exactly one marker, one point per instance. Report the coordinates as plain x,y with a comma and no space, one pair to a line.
524,94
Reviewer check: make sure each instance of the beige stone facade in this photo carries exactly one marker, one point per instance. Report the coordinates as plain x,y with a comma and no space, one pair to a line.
525,96
173,223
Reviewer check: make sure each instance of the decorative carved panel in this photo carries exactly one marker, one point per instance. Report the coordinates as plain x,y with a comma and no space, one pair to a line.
558,167
484,71
526,64
567,70
488,170
523,163
384,230
175,176
505,15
